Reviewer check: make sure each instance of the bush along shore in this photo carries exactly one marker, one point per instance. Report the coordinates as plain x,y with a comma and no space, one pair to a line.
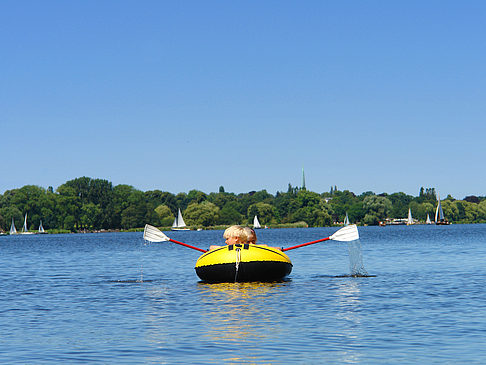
95,205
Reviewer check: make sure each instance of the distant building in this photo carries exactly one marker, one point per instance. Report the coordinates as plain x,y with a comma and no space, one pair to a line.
303,179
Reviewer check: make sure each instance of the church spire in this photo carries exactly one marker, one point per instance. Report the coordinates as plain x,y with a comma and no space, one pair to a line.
303,179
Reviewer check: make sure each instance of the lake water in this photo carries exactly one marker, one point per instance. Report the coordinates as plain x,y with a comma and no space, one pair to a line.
109,298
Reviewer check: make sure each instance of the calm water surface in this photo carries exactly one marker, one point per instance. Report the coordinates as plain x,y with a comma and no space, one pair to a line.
109,298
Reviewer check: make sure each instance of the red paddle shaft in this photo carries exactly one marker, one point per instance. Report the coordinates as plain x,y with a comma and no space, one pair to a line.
285,249
306,244
185,244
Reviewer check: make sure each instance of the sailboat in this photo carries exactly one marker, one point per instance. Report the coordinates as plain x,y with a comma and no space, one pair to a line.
179,224
428,220
346,220
41,229
24,227
409,219
12,228
439,214
256,223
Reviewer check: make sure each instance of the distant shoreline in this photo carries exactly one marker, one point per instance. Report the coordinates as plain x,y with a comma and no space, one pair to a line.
212,228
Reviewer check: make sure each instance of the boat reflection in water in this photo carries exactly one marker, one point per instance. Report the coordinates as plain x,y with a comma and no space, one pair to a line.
241,316
241,312
223,317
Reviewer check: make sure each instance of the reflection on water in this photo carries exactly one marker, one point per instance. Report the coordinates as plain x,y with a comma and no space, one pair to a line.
239,313
222,317
349,316
242,322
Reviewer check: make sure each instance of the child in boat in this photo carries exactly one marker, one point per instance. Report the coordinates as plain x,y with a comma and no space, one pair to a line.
233,235
252,238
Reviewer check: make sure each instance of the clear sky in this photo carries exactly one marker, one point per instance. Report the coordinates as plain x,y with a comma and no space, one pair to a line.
382,96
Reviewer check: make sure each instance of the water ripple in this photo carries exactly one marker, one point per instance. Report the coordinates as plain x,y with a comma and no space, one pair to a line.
108,298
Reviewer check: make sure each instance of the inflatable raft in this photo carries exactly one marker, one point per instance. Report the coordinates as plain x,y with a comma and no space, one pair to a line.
240,263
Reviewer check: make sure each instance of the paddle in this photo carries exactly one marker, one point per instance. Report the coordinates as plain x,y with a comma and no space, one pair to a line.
348,233
153,234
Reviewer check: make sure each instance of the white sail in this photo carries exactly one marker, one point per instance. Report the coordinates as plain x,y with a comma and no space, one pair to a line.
439,213
428,220
12,228
24,227
41,229
180,220
179,224
346,220
409,219
256,223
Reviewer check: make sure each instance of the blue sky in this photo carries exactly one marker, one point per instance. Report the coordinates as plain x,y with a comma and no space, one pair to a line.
381,96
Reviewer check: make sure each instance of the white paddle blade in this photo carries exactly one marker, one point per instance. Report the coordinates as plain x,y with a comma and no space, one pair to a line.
153,234
348,233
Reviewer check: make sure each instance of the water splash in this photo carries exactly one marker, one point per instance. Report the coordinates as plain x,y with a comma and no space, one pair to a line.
356,265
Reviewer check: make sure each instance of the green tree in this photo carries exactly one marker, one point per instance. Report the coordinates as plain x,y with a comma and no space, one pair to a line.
68,206
245,200
427,195
135,214
400,204
313,216
10,212
376,209
264,211
229,214
482,211
341,203
69,223
165,215
195,196
91,216
94,203
96,191
417,210
48,213
201,214
326,215
285,204
323,218
424,209
121,195
306,206
471,212
306,198
305,214
28,200
155,198
181,202
222,198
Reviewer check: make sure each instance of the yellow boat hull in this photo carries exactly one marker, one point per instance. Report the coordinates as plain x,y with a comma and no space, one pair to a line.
242,263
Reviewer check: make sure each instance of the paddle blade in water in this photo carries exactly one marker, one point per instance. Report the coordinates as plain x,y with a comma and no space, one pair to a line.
348,233
153,234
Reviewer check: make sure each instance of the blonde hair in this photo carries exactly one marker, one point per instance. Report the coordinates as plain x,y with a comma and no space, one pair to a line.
236,231
252,238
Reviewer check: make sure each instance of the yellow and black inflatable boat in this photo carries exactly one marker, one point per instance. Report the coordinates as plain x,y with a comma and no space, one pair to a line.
243,262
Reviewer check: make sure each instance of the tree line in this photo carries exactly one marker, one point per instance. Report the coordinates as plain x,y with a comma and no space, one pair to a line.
95,204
